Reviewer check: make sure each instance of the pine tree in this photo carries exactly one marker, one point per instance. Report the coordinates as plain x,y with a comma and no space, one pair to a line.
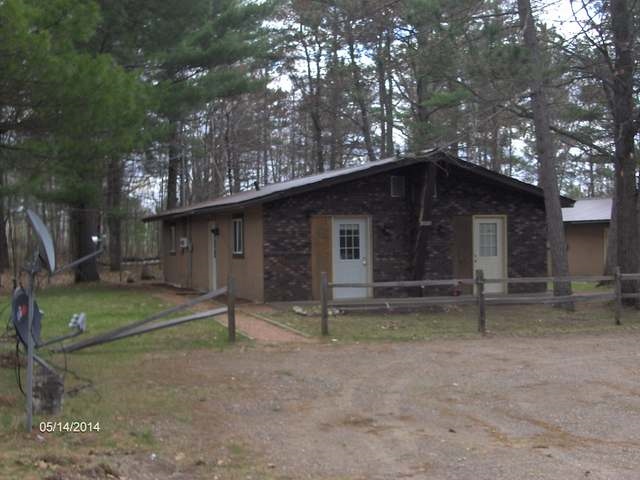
65,108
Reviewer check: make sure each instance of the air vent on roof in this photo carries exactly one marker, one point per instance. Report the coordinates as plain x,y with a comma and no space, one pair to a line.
397,186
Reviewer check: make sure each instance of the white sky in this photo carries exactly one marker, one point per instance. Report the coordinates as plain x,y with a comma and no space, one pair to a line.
558,14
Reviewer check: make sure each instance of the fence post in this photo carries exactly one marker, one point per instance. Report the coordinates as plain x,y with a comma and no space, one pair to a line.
482,318
231,309
324,298
617,278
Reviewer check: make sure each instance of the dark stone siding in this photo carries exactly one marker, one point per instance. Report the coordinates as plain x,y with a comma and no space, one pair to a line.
287,242
287,227
461,193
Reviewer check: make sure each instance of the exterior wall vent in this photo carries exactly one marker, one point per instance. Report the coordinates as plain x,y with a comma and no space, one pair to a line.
397,186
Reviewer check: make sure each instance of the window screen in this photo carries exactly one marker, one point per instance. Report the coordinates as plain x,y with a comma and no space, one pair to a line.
172,239
349,241
488,241
238,236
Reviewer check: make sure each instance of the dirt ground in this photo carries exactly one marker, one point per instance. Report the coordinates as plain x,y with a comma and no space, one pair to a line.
494,408
556,407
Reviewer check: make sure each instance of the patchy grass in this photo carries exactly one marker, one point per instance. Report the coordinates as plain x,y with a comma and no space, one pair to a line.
109,307
461,321
118,384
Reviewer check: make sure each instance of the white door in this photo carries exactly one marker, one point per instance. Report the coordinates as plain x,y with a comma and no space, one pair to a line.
213,257
489,250
350,255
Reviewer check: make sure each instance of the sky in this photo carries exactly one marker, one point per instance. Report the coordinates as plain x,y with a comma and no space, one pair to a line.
559,14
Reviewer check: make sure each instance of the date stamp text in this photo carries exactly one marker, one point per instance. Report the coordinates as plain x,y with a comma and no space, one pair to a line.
69,427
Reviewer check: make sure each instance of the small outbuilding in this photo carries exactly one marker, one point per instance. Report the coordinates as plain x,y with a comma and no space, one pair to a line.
430,215
586,227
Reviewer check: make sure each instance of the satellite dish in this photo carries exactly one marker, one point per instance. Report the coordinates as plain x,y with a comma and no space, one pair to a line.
47,250
20,317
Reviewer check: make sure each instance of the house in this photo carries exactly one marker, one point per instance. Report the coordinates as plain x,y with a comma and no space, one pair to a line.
429,215
586,227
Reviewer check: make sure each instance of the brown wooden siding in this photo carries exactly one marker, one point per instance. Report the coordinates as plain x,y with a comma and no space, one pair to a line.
199,266
462,249
586,244
174,262
321,251
191,268
248,270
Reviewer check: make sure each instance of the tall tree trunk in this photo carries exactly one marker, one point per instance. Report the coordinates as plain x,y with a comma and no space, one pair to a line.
382,96
335,100
14,243
624,132
496,158
185,184
421,116
233,167
612,241
115,172
266,138
510,153
359,94
83,225
175,166
384,75
314,93
336,141
4,246
318,153
545,151
389,98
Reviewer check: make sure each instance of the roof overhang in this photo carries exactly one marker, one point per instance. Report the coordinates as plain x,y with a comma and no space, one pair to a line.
586,222
349,174
499,178
204,208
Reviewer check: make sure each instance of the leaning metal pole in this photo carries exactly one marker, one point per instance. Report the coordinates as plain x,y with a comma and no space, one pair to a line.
77,262
30,346
107,336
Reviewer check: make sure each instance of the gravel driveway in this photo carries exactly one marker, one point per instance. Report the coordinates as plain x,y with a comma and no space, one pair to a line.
495,408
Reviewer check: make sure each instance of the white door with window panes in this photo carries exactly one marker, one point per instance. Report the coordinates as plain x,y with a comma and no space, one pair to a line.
350,255
489,254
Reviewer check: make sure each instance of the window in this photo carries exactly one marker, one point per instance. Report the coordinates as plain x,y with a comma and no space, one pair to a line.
349,241
488,240
172,239
397,186
238,235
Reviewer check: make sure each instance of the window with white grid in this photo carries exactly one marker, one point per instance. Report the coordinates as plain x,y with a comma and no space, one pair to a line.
488,241
349,241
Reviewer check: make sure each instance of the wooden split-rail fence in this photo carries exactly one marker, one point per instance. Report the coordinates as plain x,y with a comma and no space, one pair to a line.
154,322
479,298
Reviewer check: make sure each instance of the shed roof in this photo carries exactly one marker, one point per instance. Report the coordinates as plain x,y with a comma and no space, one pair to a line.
590,210
320,180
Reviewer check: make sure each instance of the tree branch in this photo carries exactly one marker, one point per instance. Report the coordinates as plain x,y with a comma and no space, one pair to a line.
523,113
